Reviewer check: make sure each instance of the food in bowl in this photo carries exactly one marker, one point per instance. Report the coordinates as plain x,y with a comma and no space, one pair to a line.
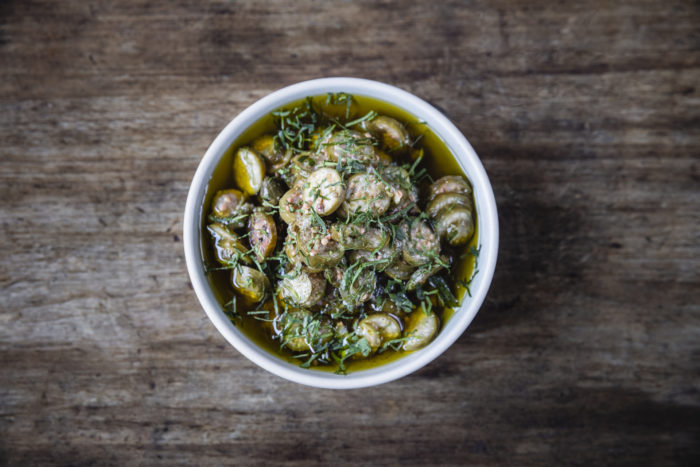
342,233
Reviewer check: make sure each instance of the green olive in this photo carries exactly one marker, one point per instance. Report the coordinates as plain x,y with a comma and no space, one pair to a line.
382,257
447,201
324,191
316,245
420,275
303,289
291,204
303,165
301,332
291,250
420,329
399,269
449,184
455,225
249,283
378,328
351,145
367,192
421,245
359,237
231,208
262,234
275,156
248,170
271,190
334,274
392,134
355,288
227,244
388,306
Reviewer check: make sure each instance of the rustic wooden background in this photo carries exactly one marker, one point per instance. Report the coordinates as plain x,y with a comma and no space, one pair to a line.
586,116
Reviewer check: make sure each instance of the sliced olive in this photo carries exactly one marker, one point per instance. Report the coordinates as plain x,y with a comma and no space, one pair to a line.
420,329
449,184
248,170
227,244
262,234
455,225
447,201
249,283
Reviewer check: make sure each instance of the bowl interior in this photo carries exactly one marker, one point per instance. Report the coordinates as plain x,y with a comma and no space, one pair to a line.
242,128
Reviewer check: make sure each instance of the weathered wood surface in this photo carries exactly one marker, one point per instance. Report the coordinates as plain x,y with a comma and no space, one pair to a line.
586,116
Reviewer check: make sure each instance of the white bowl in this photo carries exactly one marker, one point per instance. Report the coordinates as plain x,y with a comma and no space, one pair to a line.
486,216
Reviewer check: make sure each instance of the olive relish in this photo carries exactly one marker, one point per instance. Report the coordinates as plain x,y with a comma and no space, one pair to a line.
336,239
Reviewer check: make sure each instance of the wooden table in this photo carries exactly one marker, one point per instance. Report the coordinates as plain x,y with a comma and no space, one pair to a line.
586,117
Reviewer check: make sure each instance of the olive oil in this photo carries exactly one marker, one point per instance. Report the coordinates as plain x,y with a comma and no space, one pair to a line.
438,161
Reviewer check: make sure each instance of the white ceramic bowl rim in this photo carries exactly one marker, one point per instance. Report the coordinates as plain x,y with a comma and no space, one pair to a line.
467,159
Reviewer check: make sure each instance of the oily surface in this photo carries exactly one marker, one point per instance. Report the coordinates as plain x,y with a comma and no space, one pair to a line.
585,115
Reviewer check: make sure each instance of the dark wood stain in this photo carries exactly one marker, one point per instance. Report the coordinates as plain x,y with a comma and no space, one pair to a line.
585,116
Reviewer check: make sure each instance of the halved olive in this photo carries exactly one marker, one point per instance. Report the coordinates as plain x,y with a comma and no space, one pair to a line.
358,237
300,332
399,269
248,170
420,275
421,245
351,145
291,204
455,225
262,234
420,329
249,283
231,207
303,290
317,247
378,328
276,157
367,192
324,191
303,165
381,258
356,288
227,244
271,191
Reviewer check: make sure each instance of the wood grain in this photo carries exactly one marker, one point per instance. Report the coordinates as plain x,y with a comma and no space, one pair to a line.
586,116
